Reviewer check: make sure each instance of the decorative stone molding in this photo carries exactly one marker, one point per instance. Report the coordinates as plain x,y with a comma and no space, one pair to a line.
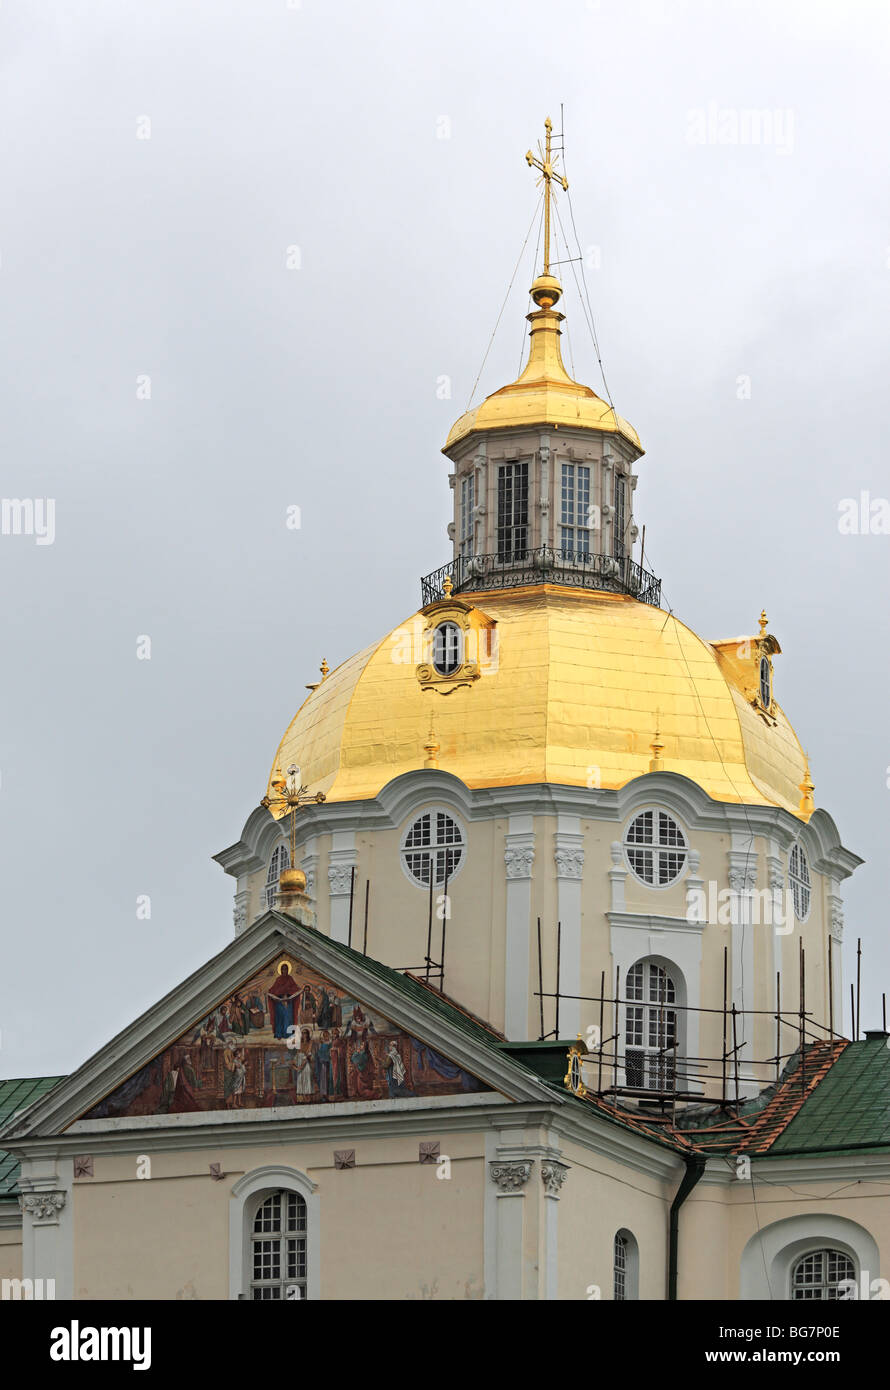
617,875
836,919
83,1165
344,1158
309,865
553,1175
518,860
512,1175
569,855
339,879
428,1151
742,871
775,873
239,911
696,911
42,1207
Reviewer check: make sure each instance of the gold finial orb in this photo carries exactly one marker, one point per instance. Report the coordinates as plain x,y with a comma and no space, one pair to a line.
448,586
292,881
279,782
763,621
806,788
324,668
545,291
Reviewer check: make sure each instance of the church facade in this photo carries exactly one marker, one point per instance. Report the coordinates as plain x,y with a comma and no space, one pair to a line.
534,990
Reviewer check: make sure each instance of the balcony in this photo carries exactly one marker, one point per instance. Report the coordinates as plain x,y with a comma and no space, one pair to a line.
545,565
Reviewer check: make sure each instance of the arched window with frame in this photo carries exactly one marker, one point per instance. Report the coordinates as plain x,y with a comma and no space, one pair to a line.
278,1256
822,1275
650,1027
625,1267
801,886
277,864
448,648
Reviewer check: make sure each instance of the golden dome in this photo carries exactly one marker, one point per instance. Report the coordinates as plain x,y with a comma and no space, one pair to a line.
584,681
544,394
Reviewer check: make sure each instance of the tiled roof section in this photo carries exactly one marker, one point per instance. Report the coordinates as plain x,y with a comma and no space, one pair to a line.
850,1109
756,1127
15,1096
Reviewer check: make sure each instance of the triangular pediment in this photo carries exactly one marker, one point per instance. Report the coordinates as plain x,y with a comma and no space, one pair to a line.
287,1036
232,1038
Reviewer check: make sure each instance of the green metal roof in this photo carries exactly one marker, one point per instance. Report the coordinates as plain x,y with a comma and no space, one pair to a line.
15,1096
849,1109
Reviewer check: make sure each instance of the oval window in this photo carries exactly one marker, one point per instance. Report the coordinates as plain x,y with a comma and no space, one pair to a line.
448,648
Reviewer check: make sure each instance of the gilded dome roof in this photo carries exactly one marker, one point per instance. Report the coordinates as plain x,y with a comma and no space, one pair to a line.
580,683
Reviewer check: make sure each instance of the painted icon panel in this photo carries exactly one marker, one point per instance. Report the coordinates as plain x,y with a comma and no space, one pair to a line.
287,1037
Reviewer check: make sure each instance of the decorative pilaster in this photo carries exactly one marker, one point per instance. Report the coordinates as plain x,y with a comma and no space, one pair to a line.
553,1175
617,875
519,856
341,862
696,909
239,911
568,852
45,1186
742,882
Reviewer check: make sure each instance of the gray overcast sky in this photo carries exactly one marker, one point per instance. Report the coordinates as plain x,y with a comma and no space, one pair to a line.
318,126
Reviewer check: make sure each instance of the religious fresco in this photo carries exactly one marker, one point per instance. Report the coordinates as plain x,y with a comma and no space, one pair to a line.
286,1037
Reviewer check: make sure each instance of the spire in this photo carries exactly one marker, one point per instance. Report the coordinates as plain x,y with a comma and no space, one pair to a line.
545,162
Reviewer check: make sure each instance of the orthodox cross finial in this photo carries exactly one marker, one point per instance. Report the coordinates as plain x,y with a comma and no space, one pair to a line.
545,163
763,621
290,797
806,788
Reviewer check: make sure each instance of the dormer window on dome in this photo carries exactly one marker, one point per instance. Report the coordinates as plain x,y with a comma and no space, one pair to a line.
448,647
766,682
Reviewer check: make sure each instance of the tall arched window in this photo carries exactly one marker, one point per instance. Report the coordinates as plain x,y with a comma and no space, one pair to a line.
277,864
625,1267
278,1247
799,874
650,1028
817,1275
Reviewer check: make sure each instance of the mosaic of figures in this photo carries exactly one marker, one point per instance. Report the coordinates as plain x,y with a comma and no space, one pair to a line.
287,1037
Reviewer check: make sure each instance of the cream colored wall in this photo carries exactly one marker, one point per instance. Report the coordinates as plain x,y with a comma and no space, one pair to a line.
10,1253
717,1223
390,1229
475,938
601,1197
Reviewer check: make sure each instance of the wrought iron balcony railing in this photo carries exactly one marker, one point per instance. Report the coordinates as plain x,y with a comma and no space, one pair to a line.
545,565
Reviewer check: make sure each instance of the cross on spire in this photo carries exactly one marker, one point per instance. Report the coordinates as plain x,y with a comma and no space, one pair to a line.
545,163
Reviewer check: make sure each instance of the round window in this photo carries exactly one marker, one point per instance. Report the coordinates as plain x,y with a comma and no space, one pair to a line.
656,848
433,846
448,648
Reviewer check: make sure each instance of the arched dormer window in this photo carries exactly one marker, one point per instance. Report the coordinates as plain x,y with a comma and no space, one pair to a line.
625,1268
822,1274
277,864
801,885
650,1027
